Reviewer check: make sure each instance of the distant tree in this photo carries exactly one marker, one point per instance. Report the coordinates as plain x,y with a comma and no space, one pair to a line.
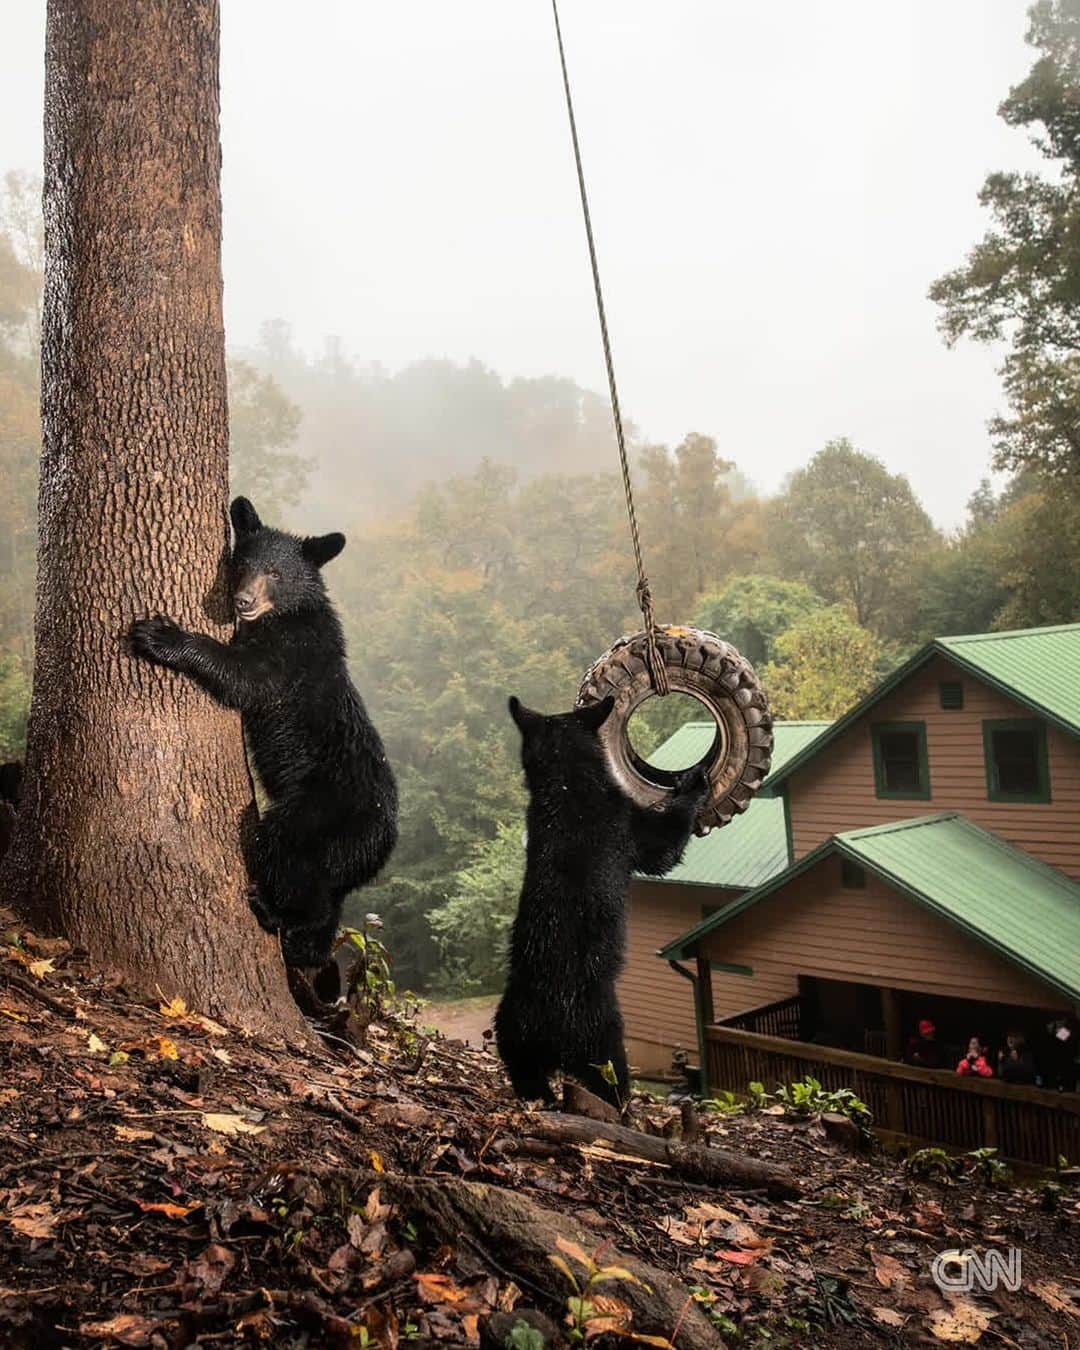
1036,555
14,706
472,927
752,611
694,532
128,836
20,417
823,666
22,256
262,425
958,587
853,532
1021,283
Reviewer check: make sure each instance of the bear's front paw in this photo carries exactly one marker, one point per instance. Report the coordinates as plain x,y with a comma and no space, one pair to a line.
268,920
157,639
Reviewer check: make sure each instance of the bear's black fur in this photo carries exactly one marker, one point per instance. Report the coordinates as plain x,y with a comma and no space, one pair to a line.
332,819
585,837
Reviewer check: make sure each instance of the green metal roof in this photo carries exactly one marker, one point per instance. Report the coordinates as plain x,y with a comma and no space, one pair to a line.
753,847
1038,667
1022,908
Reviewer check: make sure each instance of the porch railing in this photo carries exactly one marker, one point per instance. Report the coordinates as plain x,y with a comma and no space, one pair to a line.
781,1018
924,1106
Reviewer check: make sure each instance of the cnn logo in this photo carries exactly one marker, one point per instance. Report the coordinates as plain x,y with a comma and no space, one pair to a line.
962,1272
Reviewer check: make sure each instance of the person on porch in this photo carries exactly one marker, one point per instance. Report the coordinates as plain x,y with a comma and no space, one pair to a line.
925,1049
975,1061
1016,1063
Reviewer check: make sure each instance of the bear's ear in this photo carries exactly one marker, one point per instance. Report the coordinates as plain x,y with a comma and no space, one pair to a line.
594,715
524,717
244,517
319,549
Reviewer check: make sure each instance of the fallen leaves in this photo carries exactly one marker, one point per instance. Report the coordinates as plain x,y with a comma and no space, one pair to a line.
888,1271
170,1211
225,1122
177,1010
32,1220
1055,1297
963,1322
128,1329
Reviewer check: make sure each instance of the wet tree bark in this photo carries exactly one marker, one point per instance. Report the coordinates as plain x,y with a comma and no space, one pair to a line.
128,841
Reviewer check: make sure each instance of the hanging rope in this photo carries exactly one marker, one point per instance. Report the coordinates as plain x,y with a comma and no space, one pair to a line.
657,669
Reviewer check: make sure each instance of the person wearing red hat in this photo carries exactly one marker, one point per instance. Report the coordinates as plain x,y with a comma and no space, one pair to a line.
924,1049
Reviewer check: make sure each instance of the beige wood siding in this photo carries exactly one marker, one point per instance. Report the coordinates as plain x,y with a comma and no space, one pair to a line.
657,1004
835,790
813,926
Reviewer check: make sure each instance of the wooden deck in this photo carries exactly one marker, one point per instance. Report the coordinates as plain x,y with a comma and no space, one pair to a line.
921,1106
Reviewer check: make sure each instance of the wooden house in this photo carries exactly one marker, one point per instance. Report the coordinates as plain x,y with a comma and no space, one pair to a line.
932,871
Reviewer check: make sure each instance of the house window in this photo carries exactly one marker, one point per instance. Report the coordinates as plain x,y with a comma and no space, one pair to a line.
852,876
1016,764
951,693
900,764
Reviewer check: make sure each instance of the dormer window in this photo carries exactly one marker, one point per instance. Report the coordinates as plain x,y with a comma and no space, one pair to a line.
901,769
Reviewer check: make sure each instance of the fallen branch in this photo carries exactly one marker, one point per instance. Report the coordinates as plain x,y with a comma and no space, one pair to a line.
39,995
714,1166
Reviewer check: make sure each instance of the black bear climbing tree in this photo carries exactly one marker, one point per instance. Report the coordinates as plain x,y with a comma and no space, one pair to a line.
129,842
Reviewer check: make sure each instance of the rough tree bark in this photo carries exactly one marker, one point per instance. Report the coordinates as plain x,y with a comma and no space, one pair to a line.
128,841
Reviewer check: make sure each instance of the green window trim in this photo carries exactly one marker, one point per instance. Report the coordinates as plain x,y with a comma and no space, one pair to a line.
922,793
1035,725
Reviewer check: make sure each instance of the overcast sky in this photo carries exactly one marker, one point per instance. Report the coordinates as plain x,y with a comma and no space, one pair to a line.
773,189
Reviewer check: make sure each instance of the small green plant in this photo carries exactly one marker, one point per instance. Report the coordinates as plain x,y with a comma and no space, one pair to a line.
589,1313
369,988
608,1074
934,1164
849,1206
725,1103
985,1163
809,1098
758,1096
524,1337
706,1300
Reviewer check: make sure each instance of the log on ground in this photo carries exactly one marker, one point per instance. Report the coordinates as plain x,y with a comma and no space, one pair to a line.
713,1166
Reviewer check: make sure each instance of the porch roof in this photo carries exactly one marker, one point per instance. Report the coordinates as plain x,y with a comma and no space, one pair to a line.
1020,907
753,847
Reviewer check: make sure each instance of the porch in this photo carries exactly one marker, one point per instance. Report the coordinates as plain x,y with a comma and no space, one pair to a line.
910,1104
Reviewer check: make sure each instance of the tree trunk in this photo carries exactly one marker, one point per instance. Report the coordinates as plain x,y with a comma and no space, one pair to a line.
129,837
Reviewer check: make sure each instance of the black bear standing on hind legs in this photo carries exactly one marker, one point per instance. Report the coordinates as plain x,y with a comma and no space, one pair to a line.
585,838
332,819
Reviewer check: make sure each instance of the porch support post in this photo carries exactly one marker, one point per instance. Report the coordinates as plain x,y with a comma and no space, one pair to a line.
894,1032
894,1048
705,1016
704,974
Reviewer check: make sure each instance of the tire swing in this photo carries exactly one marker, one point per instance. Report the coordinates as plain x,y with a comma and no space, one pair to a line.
660,659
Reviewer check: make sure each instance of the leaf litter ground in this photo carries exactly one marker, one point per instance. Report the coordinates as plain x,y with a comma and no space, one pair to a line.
166,1181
